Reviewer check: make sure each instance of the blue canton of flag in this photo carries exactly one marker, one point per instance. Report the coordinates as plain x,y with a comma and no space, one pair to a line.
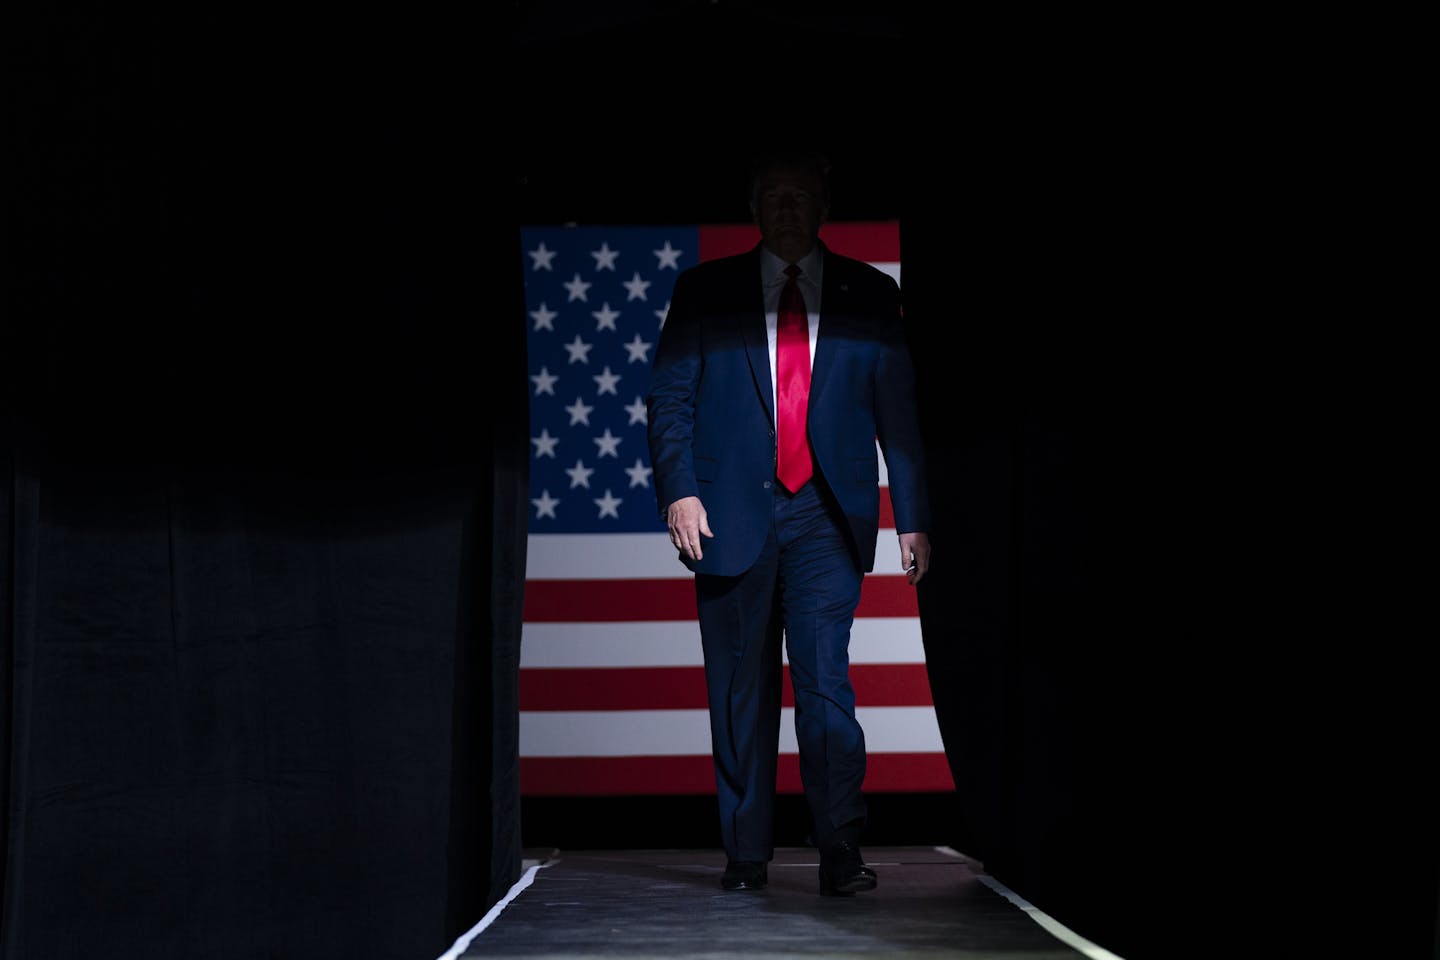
595,299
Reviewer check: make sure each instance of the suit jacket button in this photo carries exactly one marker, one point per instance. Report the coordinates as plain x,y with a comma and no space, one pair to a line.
767,484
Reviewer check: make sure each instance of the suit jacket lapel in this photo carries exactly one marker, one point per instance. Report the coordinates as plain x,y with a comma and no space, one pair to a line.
752,329
833,296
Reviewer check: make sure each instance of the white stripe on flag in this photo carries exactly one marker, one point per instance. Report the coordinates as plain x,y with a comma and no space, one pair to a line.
676,643
639,556
669,733
602,556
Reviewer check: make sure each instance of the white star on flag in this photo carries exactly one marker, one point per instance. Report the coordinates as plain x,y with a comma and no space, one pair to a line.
608,443
604,257
609,505
579,412
544,504
544,382
577,288
605,382
639,413
544,317
637,287
579,475
544,444
542,257
669,257
639,350
639,474
579,350
605,318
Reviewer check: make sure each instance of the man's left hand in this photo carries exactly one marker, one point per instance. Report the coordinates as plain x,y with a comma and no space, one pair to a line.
914,555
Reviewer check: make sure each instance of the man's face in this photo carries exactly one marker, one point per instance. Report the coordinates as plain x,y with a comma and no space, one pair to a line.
789,211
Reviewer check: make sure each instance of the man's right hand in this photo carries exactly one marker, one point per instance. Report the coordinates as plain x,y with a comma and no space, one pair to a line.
687,521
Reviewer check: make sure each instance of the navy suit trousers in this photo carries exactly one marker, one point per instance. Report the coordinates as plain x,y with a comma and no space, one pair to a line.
804,587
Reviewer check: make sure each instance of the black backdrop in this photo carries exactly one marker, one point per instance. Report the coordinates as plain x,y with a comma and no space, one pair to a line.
265,461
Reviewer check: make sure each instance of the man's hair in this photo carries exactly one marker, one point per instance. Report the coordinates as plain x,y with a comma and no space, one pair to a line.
791,158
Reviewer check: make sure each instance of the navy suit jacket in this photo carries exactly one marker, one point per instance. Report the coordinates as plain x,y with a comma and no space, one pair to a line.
711,416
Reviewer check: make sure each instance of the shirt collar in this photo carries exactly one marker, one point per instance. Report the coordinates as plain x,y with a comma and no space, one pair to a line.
772,268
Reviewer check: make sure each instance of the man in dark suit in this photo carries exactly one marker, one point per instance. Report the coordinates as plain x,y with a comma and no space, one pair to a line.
776,373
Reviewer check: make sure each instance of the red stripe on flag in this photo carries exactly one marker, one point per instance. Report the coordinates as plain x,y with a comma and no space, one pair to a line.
683,688
873,242
727,239
635,776
608,776
610,601
613,688
887,516
884,685
887,595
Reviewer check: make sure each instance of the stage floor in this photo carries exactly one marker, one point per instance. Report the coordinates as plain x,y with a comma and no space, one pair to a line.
930,902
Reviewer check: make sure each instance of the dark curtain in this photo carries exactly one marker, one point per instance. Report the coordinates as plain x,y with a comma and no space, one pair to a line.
264,445
249,711
1165,626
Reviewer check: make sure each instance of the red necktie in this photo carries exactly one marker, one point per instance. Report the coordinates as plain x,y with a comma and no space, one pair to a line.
792,385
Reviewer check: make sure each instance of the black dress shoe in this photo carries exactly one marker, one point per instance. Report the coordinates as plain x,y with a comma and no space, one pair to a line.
745,875
843,871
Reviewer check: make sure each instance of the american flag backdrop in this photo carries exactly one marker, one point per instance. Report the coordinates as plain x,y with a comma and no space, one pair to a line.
612,689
